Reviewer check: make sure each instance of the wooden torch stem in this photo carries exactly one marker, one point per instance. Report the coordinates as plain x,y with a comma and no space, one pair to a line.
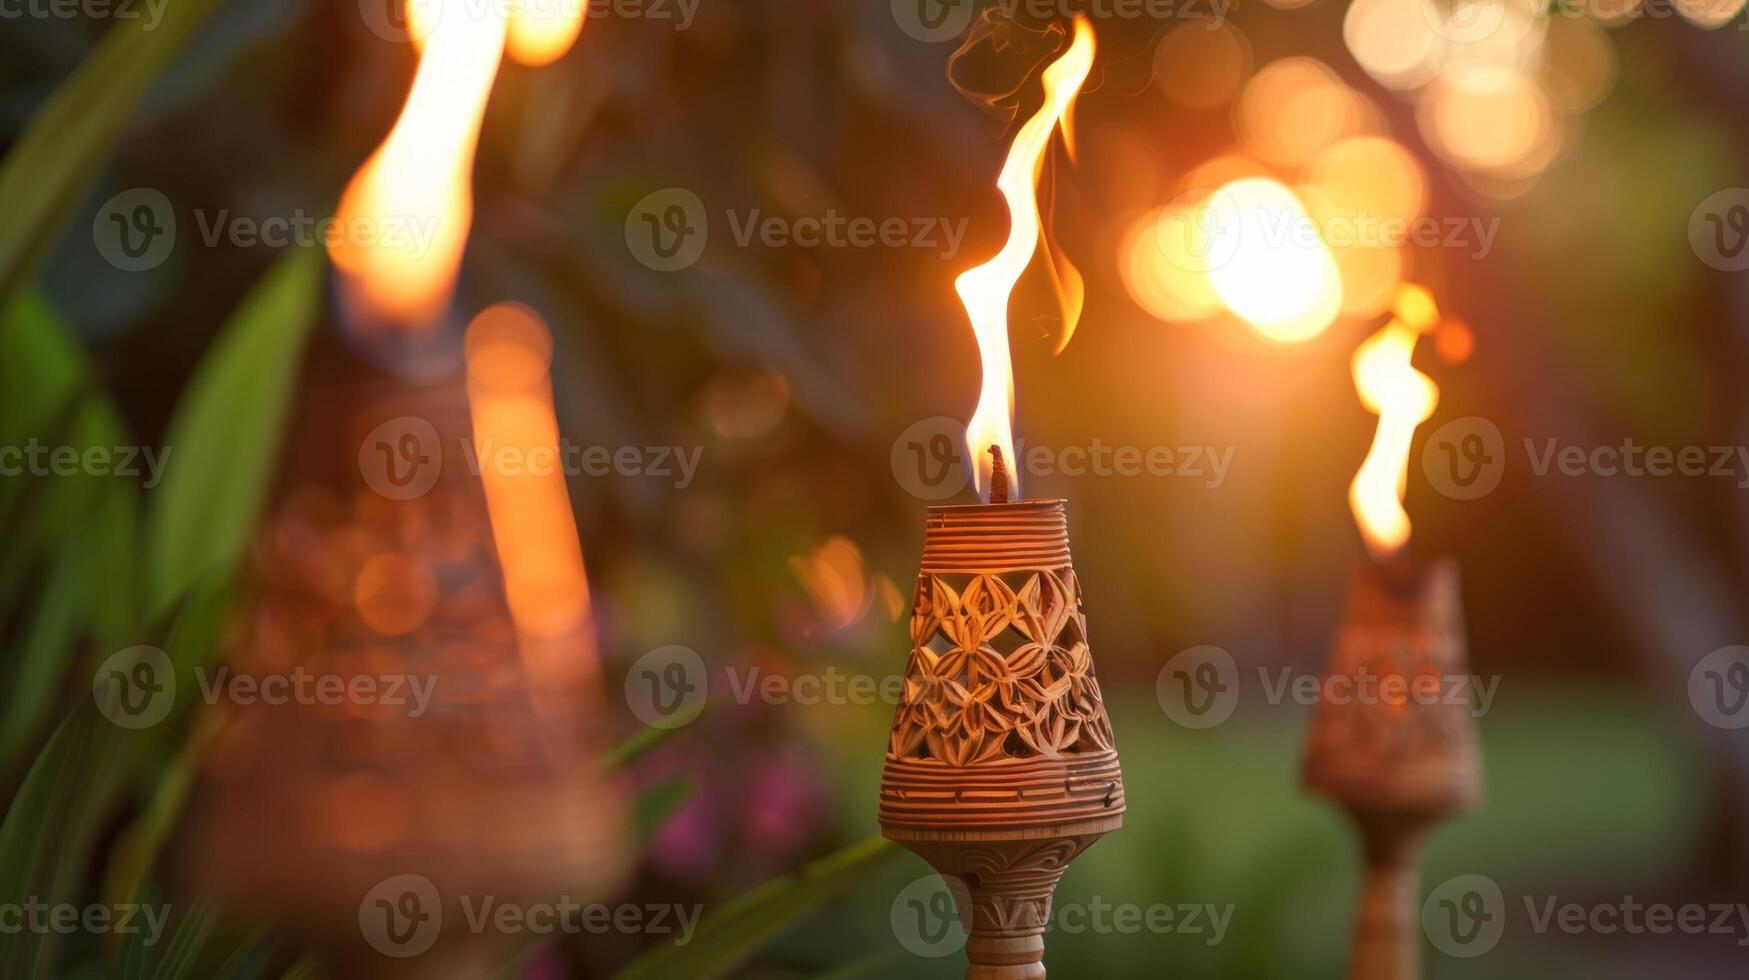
1009,912
1387,934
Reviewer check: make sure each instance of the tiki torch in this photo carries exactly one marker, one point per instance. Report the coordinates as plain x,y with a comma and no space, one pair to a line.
1000,768
449,744
1403,757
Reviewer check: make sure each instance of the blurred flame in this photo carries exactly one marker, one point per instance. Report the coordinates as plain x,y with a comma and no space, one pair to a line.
1403,398
837,581
421,178
1269,263
516,440
415,193
541,31
985,289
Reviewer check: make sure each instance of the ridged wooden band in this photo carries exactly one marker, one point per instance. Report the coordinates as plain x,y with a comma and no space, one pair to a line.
1006,795
996,538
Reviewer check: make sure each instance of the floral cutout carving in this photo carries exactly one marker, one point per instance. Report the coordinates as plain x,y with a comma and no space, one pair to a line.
999,672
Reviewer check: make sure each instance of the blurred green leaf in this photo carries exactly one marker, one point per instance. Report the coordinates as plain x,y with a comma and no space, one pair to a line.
193,642
186,942
224,439
657,804
47,837
69,139
727,938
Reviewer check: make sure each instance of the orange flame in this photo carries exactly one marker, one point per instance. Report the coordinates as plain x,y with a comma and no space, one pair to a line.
407,212
985,289
1403,398
540,31
415,193
543,30
516,441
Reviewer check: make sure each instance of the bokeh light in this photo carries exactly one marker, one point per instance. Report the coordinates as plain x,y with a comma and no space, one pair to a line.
1268,262
1293,108
1393,40
1202,63
1161,262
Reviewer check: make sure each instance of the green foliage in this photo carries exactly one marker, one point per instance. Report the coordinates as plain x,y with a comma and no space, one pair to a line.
225,437
730,936
72,136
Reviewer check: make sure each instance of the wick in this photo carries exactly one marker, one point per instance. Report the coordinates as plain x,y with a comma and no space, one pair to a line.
998,477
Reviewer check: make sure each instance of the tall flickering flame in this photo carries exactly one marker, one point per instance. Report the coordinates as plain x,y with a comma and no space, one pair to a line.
408,210
985,289
1403,398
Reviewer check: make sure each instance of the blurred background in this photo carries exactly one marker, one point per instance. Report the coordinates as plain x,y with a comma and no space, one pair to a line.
1565,181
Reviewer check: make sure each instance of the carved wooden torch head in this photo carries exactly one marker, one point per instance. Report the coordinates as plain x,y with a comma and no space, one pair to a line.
1001,767
444,741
